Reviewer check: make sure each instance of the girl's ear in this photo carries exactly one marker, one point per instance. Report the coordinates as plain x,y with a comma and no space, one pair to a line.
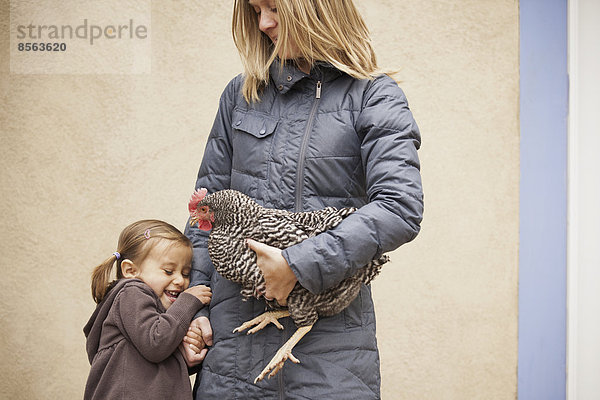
129,269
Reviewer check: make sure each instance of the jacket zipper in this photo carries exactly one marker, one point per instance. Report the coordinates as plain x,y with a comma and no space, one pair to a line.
304,147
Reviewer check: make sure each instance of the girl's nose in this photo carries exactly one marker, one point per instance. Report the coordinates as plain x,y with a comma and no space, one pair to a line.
267,21
178,279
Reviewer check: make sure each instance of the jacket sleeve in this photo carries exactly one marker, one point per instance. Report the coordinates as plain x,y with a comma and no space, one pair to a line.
392,217
214,175
154,334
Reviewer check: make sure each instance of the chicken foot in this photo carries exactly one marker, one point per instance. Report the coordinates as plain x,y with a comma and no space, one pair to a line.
283,354
263,320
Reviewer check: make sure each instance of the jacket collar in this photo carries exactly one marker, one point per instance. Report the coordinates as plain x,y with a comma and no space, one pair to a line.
287,75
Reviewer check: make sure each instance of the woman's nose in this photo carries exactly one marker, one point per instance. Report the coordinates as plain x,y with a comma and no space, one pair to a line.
267,21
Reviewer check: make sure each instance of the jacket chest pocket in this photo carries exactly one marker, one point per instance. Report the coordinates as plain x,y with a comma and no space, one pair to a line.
252,142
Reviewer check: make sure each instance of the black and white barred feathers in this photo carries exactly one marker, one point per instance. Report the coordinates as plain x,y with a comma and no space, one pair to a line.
235,217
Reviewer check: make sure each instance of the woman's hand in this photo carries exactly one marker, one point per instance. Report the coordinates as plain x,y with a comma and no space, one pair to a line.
198,336
279,277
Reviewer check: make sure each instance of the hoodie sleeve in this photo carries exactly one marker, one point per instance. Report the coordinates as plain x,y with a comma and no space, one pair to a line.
393,215
154,334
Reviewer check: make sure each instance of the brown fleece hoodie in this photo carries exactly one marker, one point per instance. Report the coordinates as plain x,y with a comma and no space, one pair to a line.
132,345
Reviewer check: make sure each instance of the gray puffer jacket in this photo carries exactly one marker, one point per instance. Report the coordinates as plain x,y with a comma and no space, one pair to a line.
317,140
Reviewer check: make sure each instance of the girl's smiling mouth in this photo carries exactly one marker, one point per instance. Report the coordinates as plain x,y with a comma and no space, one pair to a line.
172,295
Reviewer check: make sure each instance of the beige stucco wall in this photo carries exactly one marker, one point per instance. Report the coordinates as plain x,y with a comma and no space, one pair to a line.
84,155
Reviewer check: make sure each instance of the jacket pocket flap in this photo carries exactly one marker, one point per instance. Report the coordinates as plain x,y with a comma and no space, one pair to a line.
255,123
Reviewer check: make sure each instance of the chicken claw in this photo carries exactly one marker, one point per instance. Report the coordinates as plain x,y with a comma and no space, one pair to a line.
283,354
263,320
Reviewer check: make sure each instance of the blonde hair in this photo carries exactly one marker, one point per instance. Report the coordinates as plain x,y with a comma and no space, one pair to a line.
135,243
332,31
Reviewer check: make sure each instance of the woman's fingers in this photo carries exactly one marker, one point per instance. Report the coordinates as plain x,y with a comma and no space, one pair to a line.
279,277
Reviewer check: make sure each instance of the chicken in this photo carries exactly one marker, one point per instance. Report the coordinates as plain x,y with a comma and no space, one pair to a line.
232,217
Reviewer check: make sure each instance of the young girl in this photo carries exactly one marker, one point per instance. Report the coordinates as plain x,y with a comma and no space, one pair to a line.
142,317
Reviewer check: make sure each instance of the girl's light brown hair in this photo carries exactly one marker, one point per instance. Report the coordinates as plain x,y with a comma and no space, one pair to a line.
320,30
135,243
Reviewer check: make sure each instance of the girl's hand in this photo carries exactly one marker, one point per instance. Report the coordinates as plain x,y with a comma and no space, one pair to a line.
198,336
279,277
202,292
194,339
191,358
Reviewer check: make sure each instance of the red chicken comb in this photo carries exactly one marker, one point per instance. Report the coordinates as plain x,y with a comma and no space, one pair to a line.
197,197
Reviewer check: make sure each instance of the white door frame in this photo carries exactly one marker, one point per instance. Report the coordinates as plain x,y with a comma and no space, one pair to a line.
583,227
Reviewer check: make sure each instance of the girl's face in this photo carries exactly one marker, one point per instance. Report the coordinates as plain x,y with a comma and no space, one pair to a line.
166,270
268,23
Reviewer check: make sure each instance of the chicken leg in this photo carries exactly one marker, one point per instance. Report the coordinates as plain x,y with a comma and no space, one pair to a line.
263,320
284,353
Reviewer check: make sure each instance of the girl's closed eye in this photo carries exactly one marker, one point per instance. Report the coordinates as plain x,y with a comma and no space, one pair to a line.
168,271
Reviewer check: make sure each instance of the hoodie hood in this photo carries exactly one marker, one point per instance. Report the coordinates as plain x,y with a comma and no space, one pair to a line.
93,328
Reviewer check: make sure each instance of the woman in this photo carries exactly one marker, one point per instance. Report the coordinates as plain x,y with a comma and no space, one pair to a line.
311,123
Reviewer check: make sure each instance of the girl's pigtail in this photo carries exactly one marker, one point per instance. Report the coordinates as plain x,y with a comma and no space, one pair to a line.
101,278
